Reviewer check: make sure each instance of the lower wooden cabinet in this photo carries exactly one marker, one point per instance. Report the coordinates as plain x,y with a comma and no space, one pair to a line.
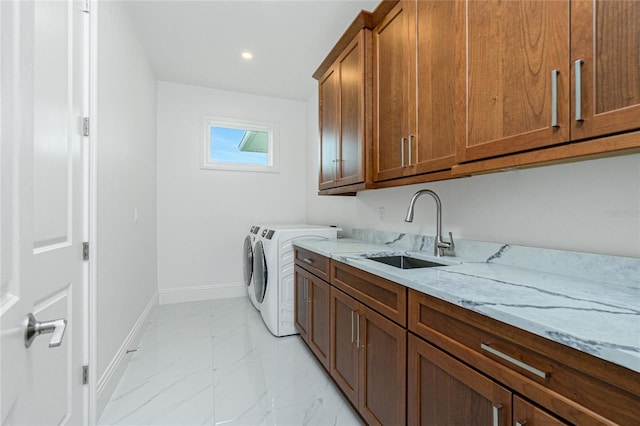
368,360
312,313
439,372
444,391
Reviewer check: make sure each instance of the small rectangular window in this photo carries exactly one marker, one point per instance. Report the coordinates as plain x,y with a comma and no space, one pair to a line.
231,144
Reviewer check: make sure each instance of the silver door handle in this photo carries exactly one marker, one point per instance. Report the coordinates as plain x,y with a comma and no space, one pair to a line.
497,408
578,88
402,150
554,98
36,328
410,148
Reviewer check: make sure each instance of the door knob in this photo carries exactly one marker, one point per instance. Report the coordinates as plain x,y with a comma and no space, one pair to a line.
36,328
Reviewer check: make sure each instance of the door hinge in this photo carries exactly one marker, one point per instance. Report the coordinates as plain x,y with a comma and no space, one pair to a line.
85,374
85,126
85,251
86,6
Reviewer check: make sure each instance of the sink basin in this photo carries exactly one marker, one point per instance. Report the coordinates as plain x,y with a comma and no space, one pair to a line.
405,262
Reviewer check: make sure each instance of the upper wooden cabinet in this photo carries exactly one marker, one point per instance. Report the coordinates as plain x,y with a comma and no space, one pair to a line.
523,92
418,78
343,120
605,40
517,76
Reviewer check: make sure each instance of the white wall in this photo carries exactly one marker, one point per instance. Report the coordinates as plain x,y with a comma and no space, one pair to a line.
589,206
126,177
204,215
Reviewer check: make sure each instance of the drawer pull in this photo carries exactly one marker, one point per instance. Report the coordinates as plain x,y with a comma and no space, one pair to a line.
497,409
308,260
512,360
521,423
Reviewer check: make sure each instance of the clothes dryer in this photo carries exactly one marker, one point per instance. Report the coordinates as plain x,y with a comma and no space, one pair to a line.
273,272
247,263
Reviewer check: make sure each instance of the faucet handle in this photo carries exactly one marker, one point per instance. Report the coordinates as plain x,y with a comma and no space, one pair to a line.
452,244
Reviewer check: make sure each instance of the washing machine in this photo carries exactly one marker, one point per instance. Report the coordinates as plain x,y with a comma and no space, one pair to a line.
247,262
273,272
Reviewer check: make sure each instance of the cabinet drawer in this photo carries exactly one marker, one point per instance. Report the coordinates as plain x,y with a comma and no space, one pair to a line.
578,387
315,263
386,297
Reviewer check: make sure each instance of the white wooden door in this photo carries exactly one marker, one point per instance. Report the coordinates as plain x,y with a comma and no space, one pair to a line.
43,218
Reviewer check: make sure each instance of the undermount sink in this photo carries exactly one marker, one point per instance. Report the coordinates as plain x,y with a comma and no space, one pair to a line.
405,262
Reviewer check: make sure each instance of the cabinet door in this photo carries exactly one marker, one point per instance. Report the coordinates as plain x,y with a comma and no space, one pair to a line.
605,36
301,302
444,391
525,413
329,109
343,361
439,83
383,360
351,142
513,49
391,95
319,292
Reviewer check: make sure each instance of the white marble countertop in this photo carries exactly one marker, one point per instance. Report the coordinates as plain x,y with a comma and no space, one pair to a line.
596,317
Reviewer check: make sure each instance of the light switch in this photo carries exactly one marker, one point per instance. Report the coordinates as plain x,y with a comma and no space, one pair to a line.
135,215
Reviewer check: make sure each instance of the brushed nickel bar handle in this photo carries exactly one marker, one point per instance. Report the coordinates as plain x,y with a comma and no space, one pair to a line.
352,326
521,423
410,148
402,139
578,78
357,330
308,260
514,361
497,409
554,98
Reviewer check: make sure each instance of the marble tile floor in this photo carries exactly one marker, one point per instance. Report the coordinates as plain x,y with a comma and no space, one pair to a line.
215,363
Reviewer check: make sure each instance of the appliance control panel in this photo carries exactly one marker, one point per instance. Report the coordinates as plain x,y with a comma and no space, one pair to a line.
255,229
268,233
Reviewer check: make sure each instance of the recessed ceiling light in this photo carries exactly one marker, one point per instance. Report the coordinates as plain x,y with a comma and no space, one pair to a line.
247,55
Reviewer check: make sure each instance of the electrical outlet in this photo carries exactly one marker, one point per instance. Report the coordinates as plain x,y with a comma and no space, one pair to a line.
135,215
381,214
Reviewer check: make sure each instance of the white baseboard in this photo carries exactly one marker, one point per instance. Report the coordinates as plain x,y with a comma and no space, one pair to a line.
201,292
109,380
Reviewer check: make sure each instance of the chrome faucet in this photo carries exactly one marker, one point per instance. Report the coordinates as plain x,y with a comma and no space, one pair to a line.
440,248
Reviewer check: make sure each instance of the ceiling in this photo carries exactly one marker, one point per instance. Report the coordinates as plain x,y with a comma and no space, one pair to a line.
200,42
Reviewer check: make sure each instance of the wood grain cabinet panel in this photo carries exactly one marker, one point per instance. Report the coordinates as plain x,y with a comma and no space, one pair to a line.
383,357
516,50
392,95
301,308
605,37
312,303
368,360
386,297
343,117
344,363
527,414
418,82
444,391
320,315
312,262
